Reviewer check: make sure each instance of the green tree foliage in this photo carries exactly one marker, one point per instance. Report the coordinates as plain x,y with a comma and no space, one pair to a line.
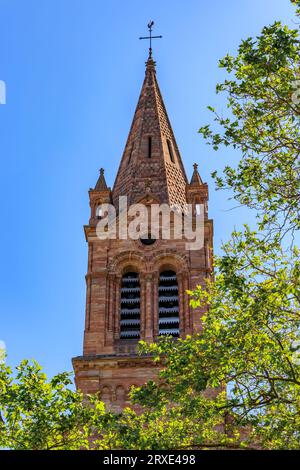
263,95
251,337
39,414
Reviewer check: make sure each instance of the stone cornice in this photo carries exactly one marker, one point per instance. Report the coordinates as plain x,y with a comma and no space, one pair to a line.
114,361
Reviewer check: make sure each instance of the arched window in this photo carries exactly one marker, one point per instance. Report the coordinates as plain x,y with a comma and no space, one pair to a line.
198,209
130,306
106,394
120,394
130,153
168,310
99,211
197,206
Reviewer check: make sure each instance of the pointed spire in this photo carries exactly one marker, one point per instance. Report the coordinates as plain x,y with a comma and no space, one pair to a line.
150,63
101,183
151,151
196,178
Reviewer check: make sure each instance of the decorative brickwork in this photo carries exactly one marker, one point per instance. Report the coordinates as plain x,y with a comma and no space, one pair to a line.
137,166
135,289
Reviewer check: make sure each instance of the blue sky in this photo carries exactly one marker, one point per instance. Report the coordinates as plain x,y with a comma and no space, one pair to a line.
73,71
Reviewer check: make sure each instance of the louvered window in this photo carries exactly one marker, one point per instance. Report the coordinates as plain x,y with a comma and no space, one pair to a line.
168,309
130,307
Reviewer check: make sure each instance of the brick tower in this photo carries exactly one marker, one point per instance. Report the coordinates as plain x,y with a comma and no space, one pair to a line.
136,289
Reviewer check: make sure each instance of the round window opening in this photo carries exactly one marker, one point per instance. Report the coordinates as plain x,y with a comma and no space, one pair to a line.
148,240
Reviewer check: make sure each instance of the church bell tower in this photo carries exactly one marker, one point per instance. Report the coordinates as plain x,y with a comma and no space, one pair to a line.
136,289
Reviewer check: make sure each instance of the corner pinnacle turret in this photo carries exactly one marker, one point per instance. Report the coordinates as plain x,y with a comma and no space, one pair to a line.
101,183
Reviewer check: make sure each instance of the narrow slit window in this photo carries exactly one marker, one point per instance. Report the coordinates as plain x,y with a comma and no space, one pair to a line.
130,153
198,209
149,147
170,151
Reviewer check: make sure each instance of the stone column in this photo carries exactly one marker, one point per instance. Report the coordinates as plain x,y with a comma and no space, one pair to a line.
110,309
142,306
148,309
181,305
155,279
88,301
117,306
111,298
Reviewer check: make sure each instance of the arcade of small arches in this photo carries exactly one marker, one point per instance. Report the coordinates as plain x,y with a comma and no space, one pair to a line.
111,394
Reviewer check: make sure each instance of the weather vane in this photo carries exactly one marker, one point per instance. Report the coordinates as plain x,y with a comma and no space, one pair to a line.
150,26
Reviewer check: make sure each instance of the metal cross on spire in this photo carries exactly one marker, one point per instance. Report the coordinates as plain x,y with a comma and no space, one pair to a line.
150,37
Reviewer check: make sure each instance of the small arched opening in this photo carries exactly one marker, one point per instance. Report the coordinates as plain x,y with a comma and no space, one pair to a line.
168,306
130,322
